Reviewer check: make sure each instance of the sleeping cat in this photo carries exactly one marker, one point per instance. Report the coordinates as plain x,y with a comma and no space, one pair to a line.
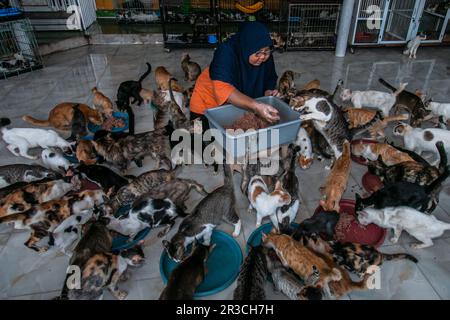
13,173
423,198
355,257
131,89
187,276
252,277
336,182
300,259
409,171
216,207
411,102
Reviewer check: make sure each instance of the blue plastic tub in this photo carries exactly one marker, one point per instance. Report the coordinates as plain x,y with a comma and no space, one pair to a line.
121,115
223,265
236,144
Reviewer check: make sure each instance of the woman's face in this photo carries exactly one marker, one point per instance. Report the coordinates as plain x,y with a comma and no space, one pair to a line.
260,57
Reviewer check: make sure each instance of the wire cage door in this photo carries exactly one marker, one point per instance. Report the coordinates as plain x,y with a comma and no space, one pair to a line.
399,20
135,11
18,48
312,26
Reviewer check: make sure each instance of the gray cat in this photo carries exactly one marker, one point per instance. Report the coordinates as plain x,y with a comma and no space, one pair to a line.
329,120
13,173
252,277
217,206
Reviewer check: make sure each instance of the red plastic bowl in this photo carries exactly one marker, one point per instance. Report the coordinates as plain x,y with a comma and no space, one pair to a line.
371,182
361,160
371,234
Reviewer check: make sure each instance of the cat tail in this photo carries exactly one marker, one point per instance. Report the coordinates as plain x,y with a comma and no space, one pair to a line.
94,90
436,184
149,70
4,122
442,156
387,85
36,122
400,88
400,117
399,256
172,98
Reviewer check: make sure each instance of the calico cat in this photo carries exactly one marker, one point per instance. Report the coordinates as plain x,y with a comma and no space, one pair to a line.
329,120
355,257
78,125
24,198
131,89
371,151
134,148
217,206
42,219
102,103
322,223
411,102
336,182
13,173
300,259
423,198
409,171
106,270
140,185
252,277
85,152
186,277
103,176
286,82
61,116
190,68
287,213
287,282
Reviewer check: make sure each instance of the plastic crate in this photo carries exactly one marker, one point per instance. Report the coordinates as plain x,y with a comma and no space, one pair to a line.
236,144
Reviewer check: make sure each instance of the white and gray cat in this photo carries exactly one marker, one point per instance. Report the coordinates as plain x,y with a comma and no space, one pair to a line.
14,173
413,45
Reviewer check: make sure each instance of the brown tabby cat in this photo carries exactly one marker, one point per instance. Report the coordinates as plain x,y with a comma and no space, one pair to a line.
286,82
300,259
337,181
102,103
371,151
85,152
190,68
373,120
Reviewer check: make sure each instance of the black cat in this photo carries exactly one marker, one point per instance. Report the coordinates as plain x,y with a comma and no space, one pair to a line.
78,124
131,89
423,198
322,223
103,176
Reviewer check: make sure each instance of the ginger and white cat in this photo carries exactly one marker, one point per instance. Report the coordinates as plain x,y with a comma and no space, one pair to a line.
371,151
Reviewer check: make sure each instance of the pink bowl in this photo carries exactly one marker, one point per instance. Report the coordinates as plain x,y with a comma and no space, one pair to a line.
371,182
371,234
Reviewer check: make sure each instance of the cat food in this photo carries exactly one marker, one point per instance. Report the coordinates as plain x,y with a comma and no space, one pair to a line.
249,121
371,182
113,122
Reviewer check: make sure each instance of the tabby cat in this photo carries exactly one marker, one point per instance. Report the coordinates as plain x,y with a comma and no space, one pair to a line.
13,173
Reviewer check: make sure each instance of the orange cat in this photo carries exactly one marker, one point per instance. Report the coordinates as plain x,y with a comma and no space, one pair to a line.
163,76
373,120
85,152
300,259
337,181
389,154
102,103
314,84
346,284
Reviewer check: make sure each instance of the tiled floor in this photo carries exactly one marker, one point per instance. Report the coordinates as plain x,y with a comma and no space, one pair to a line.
69,76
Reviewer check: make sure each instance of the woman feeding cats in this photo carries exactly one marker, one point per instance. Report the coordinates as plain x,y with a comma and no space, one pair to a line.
242,69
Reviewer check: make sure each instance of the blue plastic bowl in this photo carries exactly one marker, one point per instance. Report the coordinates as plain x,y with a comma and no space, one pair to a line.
223,265
255,238
212,38
122,242
121,115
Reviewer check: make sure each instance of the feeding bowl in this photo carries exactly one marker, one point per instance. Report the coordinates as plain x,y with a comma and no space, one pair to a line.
118,115
371,182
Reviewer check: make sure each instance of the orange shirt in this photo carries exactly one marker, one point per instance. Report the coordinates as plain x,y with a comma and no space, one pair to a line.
209,93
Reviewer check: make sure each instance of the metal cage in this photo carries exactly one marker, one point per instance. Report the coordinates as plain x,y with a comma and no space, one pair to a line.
272,14
312,26
189,23
138,11
18,48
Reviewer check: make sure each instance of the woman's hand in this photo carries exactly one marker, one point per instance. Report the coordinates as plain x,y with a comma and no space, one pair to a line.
273,93
267,112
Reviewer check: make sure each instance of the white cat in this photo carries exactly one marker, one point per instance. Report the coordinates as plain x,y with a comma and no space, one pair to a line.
413,45
26,138
55,160
383,101
420,140
439,110
421,226
264,202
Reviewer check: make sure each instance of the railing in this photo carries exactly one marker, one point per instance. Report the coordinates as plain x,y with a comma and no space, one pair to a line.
60,5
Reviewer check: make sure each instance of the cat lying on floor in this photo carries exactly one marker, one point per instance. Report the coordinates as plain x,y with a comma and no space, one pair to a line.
421,226
13,173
